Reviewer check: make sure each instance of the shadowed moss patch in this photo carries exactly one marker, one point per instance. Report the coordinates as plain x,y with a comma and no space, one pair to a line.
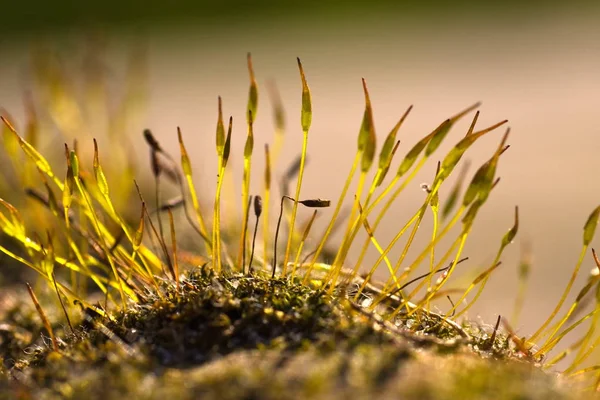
239,336
216,315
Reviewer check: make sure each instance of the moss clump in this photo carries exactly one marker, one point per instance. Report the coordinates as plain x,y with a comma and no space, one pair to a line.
319,328
216,315
243,336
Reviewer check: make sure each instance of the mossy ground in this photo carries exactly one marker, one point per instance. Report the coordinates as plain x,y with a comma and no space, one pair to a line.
220,332
250,337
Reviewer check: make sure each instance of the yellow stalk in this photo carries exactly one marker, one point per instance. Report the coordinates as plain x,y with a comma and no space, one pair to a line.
187,172
563,297
481,278
389,247
414,292
549,345
385,209
429,143
381,252
174,248
344,246
411,237
266,203
107,203
295,206
417,220
216,251
306,120
67,197
366,146
435,210
485,276
445,276
248,148
58,260
336,212
379,176
43,317
366,152
441,262
582,355
585,350
246,193
573,307
481,185
301,246
221,144
586,370
562,355
122,288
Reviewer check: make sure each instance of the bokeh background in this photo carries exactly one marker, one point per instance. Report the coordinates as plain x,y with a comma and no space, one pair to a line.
535,63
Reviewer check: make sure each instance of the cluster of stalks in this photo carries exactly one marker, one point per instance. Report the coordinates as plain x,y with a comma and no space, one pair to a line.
95,245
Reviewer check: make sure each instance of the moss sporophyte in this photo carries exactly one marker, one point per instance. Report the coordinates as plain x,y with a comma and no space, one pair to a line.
128,304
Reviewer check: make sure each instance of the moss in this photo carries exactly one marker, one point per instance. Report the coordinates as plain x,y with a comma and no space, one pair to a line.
150,328
230,337
217,315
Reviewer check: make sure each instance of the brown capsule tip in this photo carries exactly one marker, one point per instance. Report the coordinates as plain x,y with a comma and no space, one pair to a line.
152,142
395,147
257,206
315,203
496,182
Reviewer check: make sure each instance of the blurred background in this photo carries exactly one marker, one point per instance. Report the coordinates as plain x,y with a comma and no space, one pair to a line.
534,63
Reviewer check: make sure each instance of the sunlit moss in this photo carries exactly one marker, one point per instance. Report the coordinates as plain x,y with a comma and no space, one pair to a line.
229,319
